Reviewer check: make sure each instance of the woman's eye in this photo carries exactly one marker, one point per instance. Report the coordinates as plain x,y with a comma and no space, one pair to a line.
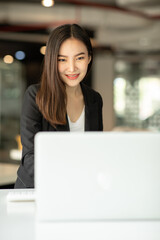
61,60
80,58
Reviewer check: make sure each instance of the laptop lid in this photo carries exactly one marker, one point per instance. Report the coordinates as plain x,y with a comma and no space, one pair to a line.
97,176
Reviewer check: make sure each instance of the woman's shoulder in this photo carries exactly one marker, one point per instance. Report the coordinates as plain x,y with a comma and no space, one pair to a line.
90,92
29,100
32,89
30,94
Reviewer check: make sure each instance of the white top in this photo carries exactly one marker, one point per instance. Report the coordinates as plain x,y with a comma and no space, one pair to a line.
77,126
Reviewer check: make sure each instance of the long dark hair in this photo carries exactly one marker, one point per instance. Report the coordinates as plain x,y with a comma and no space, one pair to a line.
51,96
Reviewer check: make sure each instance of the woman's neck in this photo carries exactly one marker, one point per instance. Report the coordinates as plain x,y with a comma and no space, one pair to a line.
73,91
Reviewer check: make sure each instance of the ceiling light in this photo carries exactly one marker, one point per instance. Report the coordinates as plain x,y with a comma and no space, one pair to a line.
8,59
43,50
47,3
20,55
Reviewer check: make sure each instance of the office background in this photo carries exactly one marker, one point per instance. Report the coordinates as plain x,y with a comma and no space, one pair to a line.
126,70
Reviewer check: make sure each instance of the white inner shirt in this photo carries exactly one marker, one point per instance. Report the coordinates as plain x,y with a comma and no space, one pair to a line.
77,126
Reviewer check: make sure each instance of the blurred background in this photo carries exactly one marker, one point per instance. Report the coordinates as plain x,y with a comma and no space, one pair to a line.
125,35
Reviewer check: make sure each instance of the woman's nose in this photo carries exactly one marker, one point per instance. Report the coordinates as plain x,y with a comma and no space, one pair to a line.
72,66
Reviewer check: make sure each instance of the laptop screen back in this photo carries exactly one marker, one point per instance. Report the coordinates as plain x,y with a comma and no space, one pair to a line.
97,176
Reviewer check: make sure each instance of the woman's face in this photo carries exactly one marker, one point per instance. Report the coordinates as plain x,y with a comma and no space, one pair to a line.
73,61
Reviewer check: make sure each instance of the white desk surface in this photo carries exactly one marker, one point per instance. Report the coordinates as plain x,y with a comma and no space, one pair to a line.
18,221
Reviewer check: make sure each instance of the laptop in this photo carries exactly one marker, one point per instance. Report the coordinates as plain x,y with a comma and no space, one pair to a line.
97,176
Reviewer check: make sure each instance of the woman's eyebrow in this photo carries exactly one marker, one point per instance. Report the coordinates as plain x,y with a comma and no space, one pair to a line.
59,55
81,53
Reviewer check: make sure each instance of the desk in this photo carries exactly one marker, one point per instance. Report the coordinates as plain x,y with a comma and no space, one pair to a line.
18,221
8,173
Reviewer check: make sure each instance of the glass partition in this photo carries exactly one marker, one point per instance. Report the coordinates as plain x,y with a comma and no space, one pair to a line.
137,93
12,86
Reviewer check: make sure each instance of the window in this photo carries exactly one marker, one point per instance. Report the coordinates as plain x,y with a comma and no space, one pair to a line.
137,93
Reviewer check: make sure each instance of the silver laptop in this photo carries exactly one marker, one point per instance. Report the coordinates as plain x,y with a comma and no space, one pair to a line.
95,176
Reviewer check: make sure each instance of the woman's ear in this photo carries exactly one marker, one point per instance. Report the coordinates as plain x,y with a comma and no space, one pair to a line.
89,59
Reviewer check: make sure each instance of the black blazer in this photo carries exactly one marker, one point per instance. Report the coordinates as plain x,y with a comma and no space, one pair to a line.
32,121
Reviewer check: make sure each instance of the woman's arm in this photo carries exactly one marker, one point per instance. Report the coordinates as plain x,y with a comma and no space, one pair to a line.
31,123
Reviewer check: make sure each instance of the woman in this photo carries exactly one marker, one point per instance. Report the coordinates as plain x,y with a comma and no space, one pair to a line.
61,102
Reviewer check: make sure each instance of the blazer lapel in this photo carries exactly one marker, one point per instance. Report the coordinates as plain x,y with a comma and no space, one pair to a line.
91,111
91,116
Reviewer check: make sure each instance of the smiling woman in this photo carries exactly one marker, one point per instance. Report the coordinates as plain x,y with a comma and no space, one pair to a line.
61,102
73,60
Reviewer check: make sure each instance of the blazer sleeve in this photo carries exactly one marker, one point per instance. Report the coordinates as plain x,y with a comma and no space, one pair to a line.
100,113
31,123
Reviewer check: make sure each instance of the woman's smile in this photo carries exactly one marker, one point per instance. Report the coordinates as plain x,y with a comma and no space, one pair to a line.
72,76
